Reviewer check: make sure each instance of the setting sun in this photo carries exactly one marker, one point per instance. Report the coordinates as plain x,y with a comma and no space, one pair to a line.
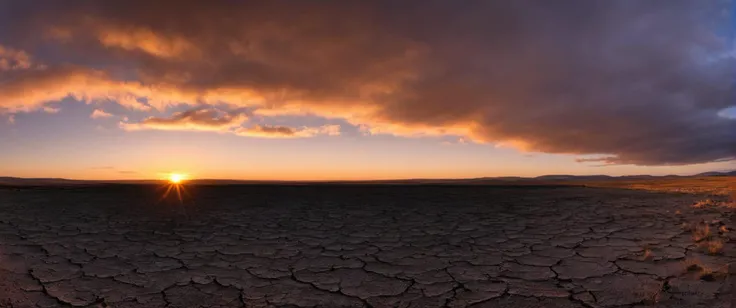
176,178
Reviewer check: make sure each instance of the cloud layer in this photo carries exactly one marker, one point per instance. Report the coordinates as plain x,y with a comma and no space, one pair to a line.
216,120
266,131
210,119
99,114
638,82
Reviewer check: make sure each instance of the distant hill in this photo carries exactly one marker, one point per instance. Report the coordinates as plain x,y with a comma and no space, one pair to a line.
718,173
637,177
573,177
37,181
14,181
506,180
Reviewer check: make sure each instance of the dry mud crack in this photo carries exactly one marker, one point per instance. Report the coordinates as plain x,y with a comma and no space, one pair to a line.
361,246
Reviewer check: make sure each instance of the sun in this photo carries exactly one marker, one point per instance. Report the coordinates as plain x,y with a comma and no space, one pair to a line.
175,184
176,178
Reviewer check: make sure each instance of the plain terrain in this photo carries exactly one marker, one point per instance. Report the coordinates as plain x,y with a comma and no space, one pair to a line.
363,246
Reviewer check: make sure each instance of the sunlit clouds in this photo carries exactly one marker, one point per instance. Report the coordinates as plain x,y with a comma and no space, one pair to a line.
288,132
11,59
210,119
230,122
99,114
631,82
144,40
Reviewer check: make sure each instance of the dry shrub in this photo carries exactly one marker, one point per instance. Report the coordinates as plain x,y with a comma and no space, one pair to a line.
708,274
705,203
701,233
695,267
713,247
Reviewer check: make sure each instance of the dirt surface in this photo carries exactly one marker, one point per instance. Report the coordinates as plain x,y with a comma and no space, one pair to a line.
360,246
709,185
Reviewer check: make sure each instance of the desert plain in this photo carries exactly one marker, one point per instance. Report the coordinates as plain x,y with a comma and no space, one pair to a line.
625,244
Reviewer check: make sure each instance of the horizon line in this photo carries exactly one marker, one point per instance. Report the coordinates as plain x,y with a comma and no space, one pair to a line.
723,173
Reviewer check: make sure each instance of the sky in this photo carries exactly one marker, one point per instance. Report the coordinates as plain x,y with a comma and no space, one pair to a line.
330,90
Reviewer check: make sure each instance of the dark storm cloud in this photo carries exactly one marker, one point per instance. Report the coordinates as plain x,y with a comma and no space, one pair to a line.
639,81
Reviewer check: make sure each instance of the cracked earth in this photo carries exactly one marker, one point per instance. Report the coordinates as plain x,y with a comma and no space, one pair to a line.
353,246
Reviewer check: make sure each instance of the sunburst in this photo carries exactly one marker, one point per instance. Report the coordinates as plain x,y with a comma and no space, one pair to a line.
176,183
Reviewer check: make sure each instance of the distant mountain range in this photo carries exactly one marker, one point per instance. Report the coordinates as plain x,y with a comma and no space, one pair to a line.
544,179
716,173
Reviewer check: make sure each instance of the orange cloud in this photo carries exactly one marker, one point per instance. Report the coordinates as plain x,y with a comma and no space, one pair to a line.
13,59
29,90
266,131
215,120
146,41
193,120
51,109
99,114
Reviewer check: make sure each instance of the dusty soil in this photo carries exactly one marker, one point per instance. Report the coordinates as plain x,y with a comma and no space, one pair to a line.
363,246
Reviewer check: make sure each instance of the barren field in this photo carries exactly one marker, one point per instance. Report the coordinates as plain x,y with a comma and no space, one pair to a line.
712,185
364,246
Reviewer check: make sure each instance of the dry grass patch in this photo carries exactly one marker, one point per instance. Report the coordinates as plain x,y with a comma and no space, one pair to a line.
712,185
701,232
713,247
702,272
705,203
707,241
710,275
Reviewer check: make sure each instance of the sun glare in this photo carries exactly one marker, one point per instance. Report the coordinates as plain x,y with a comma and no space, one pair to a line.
175,184
176,178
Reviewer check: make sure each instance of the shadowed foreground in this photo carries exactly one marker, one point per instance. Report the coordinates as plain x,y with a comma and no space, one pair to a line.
359,246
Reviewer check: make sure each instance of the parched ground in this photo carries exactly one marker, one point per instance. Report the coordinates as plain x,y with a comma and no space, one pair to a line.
361,246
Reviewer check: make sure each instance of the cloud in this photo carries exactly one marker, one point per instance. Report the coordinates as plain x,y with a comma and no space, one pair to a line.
50,109
28,90
266,131
12,59
729,113
198,119
637,82
99,114
216,120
